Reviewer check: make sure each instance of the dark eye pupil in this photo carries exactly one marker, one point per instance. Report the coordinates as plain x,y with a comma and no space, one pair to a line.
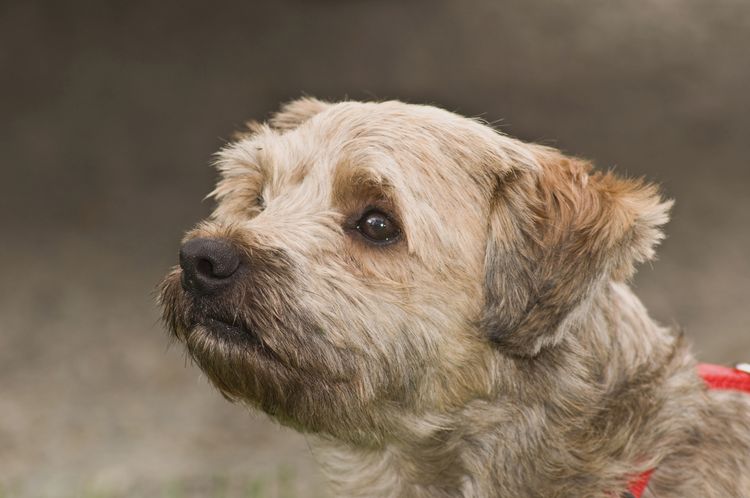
377,227
376,223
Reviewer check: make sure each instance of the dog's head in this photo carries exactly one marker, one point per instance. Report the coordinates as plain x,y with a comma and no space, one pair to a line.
381,257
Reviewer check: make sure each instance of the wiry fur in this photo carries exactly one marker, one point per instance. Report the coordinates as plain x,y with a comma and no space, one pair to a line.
494,350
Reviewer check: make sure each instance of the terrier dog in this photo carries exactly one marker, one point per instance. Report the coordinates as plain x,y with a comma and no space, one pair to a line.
445,310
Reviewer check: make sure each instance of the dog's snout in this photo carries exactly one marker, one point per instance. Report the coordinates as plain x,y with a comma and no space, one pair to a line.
208,264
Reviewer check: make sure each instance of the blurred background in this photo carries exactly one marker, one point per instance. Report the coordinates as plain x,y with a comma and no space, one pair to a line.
110,112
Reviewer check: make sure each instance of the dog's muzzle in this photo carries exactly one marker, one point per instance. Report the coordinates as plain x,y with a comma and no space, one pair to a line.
211,277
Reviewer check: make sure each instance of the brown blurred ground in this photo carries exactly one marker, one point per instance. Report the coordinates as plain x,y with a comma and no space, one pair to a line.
110,113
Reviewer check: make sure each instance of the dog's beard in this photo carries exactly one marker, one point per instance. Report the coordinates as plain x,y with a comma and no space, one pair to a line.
277,359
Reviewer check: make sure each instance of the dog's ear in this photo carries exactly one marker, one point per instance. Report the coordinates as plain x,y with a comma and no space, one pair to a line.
556,233
294,113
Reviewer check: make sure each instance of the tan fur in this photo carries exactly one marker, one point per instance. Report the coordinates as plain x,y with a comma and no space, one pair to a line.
494,350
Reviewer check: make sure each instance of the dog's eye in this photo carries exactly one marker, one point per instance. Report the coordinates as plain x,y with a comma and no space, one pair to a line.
260,201
378,227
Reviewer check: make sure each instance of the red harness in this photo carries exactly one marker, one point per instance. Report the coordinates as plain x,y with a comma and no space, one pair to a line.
715,377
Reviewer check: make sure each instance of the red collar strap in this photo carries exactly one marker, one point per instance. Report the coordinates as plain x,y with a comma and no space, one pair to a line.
718,377
715,377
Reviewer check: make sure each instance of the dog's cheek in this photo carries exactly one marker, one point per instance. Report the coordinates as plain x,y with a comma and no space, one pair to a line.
392,345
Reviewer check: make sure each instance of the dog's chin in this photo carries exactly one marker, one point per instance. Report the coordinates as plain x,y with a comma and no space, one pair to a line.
234,358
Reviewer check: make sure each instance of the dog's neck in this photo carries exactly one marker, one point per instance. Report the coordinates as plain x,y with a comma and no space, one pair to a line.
583,422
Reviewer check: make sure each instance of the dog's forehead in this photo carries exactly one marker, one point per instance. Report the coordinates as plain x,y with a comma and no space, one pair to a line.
416,151
411,142
392,140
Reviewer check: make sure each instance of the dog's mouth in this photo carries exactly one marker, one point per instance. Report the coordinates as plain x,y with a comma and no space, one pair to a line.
230,332
230,335
215,326
235,334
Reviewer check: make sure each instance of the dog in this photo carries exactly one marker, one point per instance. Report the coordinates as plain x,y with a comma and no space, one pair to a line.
444,310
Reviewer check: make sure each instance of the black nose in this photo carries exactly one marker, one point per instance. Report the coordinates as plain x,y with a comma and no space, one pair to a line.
208,265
